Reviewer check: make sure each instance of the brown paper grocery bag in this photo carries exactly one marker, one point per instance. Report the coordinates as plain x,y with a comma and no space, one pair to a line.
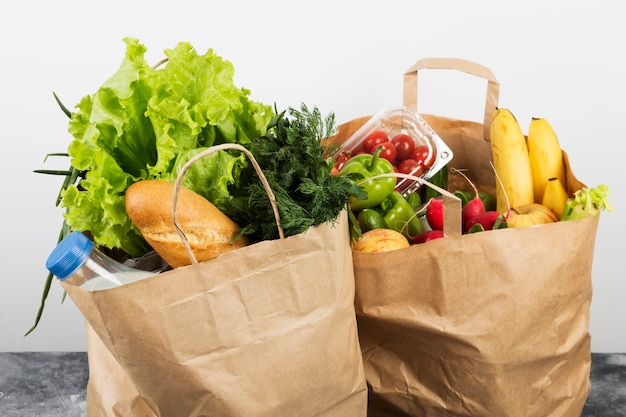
266,330
479,325
487,324
110,392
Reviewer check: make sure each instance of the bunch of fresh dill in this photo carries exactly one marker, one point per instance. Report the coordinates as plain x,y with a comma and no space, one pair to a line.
297,162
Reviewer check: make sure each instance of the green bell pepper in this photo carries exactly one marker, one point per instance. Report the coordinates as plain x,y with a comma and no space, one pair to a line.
364,166
414,199
399,215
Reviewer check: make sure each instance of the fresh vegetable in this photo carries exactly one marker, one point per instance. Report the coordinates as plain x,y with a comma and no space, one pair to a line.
427,235
359,169
424,156
341,159
380,240
145,123
388,151
414,199
587,202
401,150
371,141
370,219
488,220
298,169
476,217
404,146
399,215
411,166
488,200
434,213
474,206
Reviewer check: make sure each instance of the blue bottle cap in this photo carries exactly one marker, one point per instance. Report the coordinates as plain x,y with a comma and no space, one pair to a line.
69,254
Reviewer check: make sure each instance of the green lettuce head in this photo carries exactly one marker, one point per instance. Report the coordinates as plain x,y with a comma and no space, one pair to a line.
145,122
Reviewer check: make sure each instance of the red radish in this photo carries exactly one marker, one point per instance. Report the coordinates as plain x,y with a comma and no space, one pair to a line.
490,219
487,220
472,208
427,235
434,213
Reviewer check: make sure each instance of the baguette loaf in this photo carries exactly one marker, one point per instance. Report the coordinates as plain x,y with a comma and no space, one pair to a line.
209,231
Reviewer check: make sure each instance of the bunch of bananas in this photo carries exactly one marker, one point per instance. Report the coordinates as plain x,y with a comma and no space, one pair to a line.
530,169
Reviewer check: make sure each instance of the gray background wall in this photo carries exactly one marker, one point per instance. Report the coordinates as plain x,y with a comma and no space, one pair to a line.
562,60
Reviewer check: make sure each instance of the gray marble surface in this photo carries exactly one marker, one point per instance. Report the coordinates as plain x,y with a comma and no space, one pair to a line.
53,384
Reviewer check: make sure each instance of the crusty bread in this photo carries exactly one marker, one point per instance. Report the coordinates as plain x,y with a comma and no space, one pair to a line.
209,231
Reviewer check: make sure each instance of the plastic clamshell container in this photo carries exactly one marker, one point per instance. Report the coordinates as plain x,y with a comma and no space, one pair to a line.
394,121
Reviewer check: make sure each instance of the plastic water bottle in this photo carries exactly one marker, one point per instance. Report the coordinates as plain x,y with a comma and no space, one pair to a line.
77,261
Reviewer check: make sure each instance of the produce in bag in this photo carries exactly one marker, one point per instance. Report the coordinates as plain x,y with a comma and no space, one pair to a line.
295,273
465,325
143,123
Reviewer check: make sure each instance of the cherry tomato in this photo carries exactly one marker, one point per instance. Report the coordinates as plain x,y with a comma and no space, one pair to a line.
342,158
375,138
409,165
423,156
404,146
388,152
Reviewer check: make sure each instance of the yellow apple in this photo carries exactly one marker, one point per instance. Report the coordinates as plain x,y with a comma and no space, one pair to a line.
380,240
530,214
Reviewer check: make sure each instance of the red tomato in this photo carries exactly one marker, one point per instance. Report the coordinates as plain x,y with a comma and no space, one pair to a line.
388,152
404,146
423,156
409,165
373,139
342,158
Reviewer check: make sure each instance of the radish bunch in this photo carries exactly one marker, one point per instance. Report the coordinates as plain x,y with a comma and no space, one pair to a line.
434,217
474,215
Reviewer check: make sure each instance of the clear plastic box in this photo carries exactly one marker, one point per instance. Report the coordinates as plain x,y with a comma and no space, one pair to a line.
401,120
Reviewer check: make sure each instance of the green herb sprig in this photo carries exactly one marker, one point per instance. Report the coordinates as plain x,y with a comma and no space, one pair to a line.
297,163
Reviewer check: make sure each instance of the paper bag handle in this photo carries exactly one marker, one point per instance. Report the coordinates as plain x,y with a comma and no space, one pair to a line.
469,67
200,155
452,215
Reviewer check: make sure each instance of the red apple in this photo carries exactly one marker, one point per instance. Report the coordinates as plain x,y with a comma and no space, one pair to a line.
530,214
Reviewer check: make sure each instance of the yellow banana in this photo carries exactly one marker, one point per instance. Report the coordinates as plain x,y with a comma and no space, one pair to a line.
554,196
546,157
511,161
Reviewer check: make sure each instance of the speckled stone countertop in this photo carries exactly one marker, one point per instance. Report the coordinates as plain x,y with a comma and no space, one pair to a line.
53,384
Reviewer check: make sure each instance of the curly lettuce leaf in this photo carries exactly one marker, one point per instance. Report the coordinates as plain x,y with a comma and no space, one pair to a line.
145,122
212,176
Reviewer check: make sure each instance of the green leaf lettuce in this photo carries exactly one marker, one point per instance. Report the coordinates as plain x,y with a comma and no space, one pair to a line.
146,122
